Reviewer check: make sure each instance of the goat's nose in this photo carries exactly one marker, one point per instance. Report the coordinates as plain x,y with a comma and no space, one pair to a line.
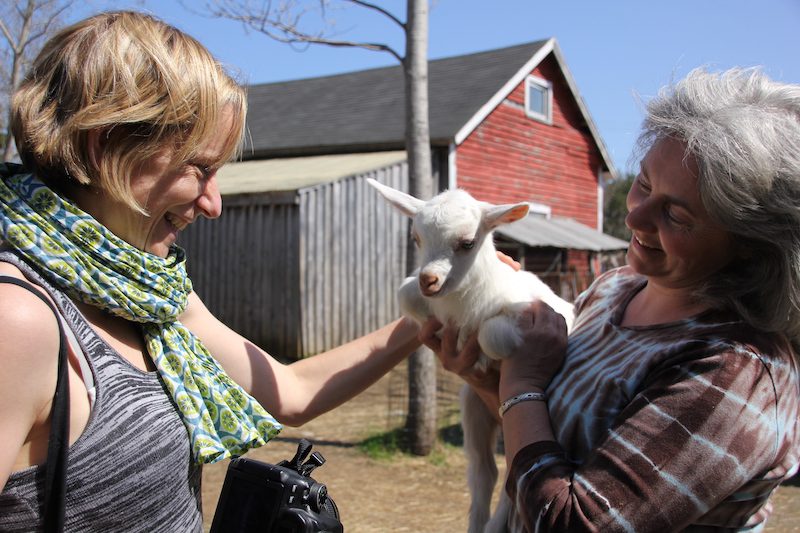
428,282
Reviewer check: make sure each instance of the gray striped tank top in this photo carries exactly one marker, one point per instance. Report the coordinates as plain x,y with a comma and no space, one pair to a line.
131,469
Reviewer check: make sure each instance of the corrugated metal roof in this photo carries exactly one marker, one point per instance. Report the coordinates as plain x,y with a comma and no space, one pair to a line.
559,232
293,173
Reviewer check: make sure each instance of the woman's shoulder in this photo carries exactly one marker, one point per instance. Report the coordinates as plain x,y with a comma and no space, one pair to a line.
616,283
732,334
25,317
29,347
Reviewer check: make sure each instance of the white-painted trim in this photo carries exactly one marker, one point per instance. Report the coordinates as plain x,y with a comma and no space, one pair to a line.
542,210
550,46
547,87
452,168
601,194
504,91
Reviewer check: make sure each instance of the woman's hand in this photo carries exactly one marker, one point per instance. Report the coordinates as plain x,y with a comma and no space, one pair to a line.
460,362
541,355
509,261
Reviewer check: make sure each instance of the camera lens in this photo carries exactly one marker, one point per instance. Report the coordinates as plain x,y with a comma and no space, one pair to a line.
317,496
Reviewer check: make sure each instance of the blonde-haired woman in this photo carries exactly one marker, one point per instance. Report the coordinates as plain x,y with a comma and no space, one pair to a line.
121,125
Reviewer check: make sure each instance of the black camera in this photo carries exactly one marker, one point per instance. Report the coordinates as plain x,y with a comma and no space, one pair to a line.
283,498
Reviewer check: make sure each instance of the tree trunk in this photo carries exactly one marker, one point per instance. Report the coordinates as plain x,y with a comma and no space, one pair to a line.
421,421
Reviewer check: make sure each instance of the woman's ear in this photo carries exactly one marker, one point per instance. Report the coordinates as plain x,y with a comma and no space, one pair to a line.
95,142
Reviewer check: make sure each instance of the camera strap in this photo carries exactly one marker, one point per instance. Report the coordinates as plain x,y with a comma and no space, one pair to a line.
55,478
303,449
296,462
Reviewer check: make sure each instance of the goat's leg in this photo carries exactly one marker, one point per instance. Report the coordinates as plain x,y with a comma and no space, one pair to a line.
499,521
480,439
499,336
412,303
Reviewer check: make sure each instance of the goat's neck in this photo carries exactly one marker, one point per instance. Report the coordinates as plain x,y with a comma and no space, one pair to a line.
485,278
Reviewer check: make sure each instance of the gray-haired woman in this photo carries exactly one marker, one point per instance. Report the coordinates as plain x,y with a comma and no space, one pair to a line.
673,405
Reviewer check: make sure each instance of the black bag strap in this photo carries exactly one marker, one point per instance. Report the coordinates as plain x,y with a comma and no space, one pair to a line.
56,466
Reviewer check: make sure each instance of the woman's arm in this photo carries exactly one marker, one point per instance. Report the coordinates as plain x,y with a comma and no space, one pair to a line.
696,434
531,370
298,392
29,344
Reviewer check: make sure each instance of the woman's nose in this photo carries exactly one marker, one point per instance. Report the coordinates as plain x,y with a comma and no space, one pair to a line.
640,217
210,200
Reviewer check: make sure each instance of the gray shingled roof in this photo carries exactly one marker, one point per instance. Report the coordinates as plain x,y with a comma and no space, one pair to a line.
364,110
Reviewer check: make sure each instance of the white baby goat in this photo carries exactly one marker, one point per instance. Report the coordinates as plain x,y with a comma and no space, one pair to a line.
461,281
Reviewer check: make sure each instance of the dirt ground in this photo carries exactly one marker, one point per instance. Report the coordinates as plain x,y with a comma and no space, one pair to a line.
403,493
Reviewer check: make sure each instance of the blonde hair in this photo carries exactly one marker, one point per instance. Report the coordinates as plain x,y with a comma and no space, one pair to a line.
143,84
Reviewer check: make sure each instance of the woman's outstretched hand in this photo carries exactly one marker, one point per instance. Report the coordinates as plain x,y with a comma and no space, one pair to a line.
444,343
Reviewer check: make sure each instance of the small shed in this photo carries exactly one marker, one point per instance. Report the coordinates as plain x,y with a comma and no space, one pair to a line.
306,255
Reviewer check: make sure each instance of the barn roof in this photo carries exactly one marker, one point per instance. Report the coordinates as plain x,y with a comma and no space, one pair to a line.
560,232
364,110
293,173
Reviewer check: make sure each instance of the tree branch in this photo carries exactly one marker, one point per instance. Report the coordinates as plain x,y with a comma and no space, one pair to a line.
282,23
52,20
6,32
381,10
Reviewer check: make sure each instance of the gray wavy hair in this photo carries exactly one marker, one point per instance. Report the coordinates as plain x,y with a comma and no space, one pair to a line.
743,130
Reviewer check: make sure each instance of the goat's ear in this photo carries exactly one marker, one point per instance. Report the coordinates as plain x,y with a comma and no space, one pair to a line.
497,215
405,203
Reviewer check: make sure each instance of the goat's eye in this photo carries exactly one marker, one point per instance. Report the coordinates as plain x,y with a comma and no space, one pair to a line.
416,239
466,245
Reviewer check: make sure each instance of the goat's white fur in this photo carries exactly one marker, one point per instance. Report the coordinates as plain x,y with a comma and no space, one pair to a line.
471,288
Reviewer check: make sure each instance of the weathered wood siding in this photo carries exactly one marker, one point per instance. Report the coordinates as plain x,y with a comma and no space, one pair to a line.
301,272
244,266
353,256
510,157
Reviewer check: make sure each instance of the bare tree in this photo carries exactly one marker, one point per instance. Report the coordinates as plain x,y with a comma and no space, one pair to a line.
286,21
24,27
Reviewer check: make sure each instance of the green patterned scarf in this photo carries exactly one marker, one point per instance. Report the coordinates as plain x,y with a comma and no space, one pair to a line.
89,263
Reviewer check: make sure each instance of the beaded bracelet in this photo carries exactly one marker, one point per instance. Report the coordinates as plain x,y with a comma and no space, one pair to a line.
526,397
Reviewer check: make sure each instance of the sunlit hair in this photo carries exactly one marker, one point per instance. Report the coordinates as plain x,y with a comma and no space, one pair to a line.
743,130
142,84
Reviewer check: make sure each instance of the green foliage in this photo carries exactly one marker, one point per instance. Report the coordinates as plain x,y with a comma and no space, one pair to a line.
614,208
384,446
390,445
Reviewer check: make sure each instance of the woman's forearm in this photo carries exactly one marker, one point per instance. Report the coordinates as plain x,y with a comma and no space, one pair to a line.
523,424
331,378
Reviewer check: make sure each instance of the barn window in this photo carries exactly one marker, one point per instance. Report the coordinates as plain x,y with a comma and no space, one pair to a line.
539,99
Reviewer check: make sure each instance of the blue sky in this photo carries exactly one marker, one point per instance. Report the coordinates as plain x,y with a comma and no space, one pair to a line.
619,51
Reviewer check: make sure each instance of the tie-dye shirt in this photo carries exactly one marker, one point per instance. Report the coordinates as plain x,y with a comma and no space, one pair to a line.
687,425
